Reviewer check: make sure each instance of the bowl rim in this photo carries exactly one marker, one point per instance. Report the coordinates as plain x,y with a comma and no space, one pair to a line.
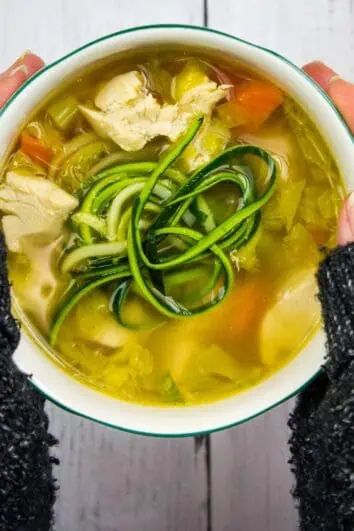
187,27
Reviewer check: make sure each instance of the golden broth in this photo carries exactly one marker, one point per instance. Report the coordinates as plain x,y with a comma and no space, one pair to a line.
256,329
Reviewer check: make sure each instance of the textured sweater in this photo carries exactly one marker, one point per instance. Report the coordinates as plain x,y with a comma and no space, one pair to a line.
322,442
27,488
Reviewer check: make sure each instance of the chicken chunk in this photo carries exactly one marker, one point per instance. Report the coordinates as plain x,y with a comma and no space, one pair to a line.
131,117
292,318
34,205
120,90
97,325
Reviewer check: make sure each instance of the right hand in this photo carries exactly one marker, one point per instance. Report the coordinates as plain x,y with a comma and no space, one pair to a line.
342,94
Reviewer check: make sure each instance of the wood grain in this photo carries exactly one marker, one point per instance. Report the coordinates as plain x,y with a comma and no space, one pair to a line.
110,481
251,478
113,481
53,28
302,31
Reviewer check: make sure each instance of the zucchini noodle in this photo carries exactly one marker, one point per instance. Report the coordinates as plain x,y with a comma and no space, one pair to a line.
148,226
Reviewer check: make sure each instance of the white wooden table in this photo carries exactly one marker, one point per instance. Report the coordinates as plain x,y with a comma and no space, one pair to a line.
234,480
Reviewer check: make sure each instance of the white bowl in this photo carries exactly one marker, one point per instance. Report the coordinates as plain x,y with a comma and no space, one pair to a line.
178,421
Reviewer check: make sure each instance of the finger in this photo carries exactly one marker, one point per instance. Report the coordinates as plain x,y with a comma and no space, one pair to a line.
340,91
321,73
346,221
17,74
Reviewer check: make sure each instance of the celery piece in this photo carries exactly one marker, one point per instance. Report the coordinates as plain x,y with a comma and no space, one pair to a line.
298,247
327,204
63,112
140,359
192,75
21,163
210,141
169,390
311,143
115,376
75,168
246,258
280,212
159,80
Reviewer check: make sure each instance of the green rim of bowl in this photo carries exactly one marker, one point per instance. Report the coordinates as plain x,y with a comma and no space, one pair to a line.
228,36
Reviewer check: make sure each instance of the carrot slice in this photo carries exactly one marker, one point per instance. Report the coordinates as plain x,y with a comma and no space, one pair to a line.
242,310
247,306
37,151
253,103
259,98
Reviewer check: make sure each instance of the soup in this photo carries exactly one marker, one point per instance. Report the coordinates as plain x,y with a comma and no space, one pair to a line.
164,215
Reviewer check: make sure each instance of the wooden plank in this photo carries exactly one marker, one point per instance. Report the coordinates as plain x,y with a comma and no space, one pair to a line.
302,31
251,480
52,29
112,481
109,480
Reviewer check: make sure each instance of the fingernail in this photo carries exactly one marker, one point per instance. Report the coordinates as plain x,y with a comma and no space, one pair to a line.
19,68
26,52
333,79
350,210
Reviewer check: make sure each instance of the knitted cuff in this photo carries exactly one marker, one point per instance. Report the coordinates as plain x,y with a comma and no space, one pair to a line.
9,331
336,294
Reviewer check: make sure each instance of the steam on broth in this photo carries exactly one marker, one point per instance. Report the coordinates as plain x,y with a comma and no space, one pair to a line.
164,215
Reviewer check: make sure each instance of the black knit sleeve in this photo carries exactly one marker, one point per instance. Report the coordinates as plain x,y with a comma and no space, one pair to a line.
322,441
336,285
27,489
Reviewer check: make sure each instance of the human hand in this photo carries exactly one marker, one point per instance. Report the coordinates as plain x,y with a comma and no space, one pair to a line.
342,94
17,74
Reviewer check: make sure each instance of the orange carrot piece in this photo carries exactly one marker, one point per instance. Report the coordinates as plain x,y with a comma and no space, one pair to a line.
258,98
247,304
252,104
37,151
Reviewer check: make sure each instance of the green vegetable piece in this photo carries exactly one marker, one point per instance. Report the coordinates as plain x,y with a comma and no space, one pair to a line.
169,253
92,221
75,169
169,390
211,140
280,212
159,80
63,112
191,76
312,145
75,295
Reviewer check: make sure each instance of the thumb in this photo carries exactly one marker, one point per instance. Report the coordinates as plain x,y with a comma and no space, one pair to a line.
346,221
340,91
17,74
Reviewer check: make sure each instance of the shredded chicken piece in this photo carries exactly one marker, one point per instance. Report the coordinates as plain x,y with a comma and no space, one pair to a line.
131,116
34,205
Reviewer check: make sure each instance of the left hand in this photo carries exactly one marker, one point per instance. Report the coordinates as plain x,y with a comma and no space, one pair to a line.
18,73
